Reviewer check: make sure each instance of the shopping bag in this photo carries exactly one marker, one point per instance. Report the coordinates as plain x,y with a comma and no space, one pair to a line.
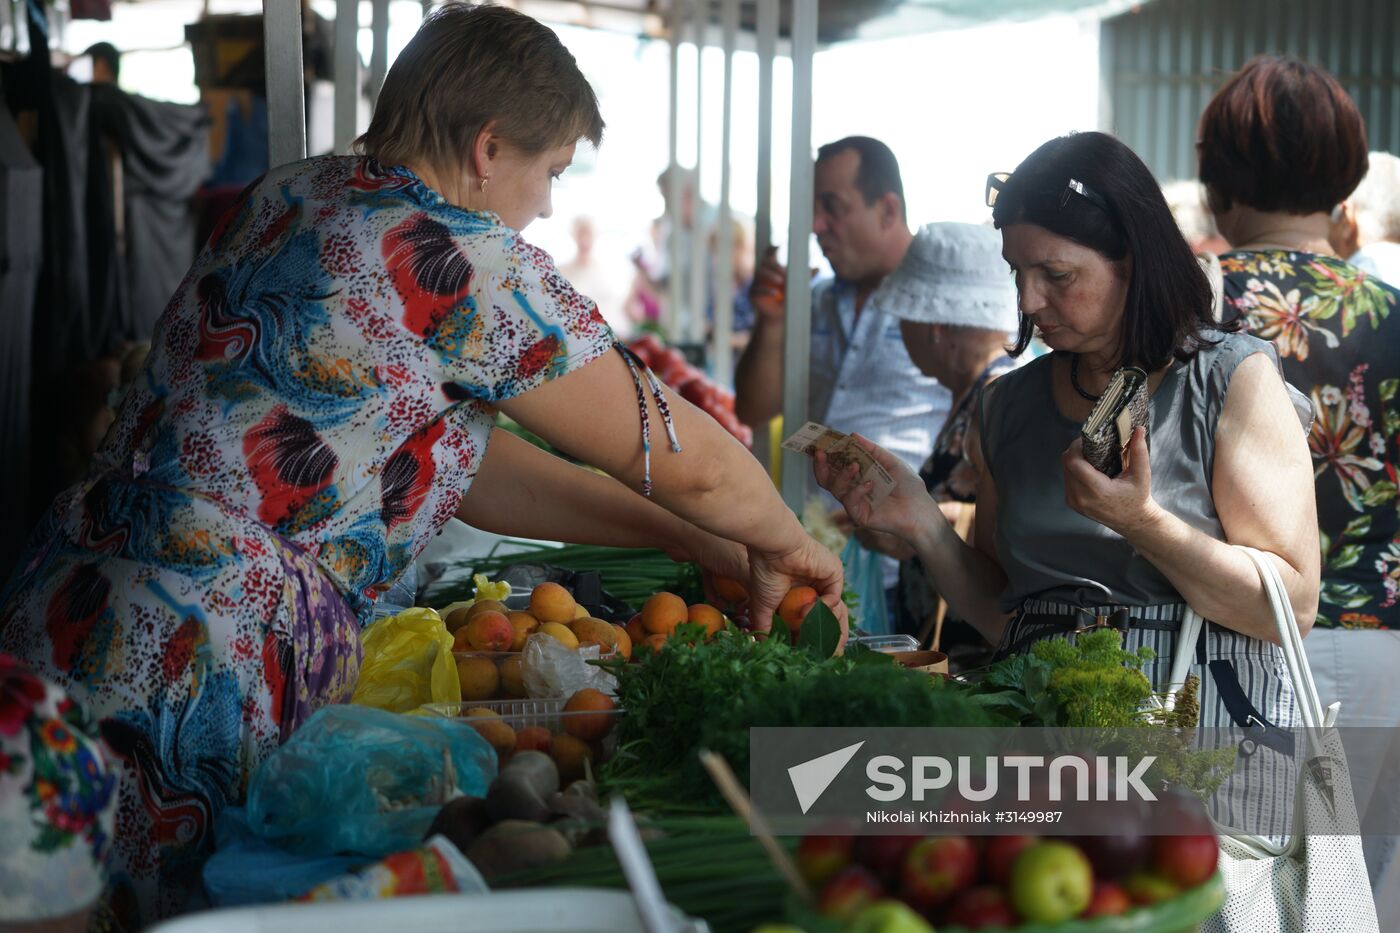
866,578
1315,880
358,780
408,663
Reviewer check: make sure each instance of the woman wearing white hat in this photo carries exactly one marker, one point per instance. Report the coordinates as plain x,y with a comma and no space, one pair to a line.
957,310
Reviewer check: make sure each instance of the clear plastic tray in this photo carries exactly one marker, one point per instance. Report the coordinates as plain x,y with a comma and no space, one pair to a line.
548,712
888,643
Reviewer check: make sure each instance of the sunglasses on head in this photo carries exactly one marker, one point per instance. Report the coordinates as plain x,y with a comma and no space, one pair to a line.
996,183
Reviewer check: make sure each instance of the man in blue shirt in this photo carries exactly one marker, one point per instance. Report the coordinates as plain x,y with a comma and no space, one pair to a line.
862,378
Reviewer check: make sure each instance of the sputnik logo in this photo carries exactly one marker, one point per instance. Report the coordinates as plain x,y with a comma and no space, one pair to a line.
811,778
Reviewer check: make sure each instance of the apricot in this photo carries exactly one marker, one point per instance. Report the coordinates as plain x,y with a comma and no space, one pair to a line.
489,631
635,630
795,606
663,612
730,590
498,735
550,602
569,754
479,678
655,642
708,616
459,640
524,625
457,618
536,738
580,612
592,631
624,642
589,727
512,679
561,634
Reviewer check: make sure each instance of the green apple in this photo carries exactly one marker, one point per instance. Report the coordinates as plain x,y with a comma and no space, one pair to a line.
1051,882
888,917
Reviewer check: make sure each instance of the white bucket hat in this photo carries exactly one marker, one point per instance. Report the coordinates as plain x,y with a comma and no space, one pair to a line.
952,274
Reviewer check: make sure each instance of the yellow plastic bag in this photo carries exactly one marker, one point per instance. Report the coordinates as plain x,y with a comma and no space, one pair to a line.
408,662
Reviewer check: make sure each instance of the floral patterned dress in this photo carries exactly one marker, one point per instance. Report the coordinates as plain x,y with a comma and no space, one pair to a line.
1337,330
317,399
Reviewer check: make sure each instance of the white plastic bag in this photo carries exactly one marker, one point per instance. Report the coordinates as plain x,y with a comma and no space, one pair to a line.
553,670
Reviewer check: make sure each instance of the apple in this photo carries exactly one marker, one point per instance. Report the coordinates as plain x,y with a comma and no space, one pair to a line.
1051,882
1185,860
1145,887
980,907
884,855
888,916
999,853
849,891
937,868
820,857
1108,900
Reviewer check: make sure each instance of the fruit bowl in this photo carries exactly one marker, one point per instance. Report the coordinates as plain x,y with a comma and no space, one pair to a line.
1181,913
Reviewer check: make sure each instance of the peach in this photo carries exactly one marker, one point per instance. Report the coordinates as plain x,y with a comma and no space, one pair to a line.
490,631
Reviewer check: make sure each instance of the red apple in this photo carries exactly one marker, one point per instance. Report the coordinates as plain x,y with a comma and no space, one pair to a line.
849,890
820,857
884,855
1145,887
999,853
937,868
1185,860
982,906
1108,900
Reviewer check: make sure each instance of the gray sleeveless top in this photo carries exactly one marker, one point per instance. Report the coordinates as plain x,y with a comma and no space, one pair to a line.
1048,550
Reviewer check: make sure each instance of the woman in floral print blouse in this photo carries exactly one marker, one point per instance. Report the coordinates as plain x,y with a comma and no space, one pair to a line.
1281,146
318,402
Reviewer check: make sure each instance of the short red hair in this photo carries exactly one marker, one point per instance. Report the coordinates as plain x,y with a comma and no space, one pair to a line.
1281,136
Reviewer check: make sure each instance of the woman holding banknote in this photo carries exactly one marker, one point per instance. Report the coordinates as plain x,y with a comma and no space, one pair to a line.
319,401
1059,547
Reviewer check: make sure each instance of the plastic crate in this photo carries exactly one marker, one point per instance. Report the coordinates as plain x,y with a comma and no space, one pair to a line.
887,643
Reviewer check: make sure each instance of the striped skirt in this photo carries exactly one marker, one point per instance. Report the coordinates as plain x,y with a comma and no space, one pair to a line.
1258,797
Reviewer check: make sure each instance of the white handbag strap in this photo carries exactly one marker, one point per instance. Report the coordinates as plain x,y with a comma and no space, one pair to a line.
1314,717
1186,638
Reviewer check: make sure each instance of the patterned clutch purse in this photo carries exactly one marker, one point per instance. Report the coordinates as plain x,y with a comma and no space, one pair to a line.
1109,427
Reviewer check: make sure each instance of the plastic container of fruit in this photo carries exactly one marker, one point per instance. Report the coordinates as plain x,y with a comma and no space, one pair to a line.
566,910
547,713
509,683
1178,915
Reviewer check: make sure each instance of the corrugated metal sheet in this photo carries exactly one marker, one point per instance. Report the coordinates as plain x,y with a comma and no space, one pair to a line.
1162,63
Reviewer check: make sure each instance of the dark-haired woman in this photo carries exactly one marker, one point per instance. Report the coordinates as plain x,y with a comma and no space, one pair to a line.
318,401
1105,277
1337,329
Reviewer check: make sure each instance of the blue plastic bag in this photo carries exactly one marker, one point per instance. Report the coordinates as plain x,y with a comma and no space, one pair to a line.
245,870
354,779
865,576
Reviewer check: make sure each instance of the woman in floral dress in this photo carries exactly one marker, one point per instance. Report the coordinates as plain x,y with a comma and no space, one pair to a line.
1272,186
318,402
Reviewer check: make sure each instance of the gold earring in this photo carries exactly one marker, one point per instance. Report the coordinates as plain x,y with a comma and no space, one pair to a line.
484,180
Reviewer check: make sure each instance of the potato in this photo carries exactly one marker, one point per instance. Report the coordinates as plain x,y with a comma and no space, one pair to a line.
516,845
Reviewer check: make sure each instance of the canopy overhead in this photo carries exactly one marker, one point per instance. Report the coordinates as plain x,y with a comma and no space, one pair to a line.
838,20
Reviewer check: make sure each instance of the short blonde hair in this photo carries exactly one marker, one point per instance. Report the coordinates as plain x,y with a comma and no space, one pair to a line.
470,64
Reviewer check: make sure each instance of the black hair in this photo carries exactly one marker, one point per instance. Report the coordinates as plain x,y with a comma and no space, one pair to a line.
106,52
878,174
1169,305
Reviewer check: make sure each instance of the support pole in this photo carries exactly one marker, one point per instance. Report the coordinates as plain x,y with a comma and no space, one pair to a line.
722,354
286,83
379,50
695,330
347,74
674,293
797,327
767,44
